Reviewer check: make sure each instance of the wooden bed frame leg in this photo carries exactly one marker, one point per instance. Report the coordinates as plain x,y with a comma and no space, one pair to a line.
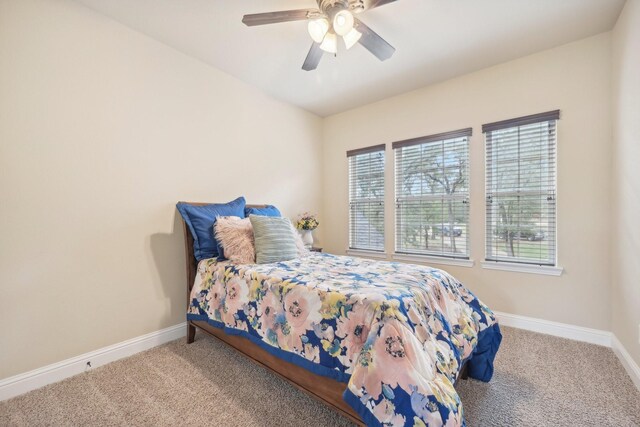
464,374
191,333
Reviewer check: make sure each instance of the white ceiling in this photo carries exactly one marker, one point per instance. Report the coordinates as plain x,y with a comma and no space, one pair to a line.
434,40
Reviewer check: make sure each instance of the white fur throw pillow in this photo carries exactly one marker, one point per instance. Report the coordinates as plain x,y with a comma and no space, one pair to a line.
236,237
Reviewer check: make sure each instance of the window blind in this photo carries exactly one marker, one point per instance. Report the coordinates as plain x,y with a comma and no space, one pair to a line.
521,189
366,198
432,195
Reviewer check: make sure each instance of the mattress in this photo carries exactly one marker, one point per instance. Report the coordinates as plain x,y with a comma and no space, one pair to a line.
396,334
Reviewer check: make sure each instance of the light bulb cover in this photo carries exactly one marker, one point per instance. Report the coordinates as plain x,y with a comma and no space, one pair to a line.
330,43
343,22
318,29
351,38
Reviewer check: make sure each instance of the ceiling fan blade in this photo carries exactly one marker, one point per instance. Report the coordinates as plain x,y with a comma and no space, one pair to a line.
313,57
370,4
275,17
374,43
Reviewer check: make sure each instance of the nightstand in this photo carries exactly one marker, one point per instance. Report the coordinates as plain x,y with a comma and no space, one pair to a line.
316,249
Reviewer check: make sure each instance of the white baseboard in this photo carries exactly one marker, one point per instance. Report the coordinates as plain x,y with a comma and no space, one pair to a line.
22,383
563,330
625,358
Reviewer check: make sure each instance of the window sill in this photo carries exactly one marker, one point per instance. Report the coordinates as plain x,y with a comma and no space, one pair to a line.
366,254
522,268
434,260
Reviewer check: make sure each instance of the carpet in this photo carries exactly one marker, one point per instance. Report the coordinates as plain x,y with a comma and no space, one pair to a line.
539,380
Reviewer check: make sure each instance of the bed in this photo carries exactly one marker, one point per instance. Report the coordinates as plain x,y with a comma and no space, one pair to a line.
382,343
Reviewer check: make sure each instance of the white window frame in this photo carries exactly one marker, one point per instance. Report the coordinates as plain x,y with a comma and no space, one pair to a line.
354,250
436,257
525,265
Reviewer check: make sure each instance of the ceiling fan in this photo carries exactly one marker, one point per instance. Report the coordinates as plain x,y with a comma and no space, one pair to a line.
333,18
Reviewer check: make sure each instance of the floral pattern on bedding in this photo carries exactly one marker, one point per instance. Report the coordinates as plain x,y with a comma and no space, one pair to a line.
396,333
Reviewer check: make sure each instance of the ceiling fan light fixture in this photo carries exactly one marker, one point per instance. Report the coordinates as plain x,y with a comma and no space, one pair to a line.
343,22
351,38
318,29
333,19
330,43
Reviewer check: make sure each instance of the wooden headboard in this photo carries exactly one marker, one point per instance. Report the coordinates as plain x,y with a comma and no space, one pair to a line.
191,263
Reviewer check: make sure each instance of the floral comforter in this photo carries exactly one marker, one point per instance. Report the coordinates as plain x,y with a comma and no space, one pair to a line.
397,334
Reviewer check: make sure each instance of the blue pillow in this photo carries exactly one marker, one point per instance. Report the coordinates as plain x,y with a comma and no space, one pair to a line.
201,220
268,210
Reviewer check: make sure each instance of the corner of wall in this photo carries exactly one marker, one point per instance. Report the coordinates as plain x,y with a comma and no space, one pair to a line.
625,180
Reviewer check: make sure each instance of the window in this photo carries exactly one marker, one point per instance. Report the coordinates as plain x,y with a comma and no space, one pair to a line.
521,189
366,198
432,195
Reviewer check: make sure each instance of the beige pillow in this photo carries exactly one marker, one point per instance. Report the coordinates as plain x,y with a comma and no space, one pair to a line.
236,237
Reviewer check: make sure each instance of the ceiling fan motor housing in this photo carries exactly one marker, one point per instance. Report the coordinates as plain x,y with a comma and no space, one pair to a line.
331,7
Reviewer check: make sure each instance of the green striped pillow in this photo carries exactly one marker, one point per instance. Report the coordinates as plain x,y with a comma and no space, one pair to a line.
274,239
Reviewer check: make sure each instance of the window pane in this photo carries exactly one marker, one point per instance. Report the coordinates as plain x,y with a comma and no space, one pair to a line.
521,186
432,210
433,227
367,225
366,200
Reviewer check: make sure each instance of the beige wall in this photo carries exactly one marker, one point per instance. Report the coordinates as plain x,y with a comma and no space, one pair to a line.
102,130
574,78
625,252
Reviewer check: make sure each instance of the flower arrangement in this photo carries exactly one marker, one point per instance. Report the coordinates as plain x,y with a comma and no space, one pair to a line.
307,221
